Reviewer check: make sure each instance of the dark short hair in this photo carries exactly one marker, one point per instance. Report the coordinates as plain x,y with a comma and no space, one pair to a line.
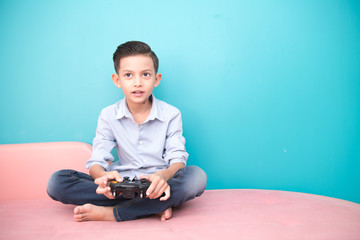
132,48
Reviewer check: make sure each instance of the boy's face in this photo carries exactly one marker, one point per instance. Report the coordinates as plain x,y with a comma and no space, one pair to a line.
137,78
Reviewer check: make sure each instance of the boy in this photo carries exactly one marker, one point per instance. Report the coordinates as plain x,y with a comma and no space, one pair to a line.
148,136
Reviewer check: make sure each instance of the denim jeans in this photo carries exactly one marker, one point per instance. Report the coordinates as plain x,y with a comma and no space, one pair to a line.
72,187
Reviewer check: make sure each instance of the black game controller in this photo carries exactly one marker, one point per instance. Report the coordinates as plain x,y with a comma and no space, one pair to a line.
129,188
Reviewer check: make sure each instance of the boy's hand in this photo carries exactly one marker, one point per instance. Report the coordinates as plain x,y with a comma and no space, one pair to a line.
157,187
103,181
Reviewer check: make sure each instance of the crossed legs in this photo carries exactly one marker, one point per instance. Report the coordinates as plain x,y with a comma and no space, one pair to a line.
72,187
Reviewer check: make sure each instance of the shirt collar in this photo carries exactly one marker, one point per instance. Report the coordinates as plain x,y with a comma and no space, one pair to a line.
155,112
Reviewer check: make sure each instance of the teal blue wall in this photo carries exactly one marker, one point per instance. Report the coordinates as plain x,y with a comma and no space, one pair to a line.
269,90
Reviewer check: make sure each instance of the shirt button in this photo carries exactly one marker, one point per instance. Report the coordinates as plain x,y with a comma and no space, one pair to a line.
140,142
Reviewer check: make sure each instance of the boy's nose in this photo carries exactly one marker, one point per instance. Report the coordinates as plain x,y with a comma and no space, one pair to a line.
138,82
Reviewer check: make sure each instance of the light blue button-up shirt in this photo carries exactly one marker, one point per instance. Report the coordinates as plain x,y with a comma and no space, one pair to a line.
142,149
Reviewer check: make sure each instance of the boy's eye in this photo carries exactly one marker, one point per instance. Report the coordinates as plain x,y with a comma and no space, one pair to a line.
146,74
128,75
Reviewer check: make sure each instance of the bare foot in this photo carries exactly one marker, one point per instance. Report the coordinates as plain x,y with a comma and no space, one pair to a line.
89,212
166,215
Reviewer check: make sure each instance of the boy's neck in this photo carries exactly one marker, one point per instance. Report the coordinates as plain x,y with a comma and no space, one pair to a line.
140,111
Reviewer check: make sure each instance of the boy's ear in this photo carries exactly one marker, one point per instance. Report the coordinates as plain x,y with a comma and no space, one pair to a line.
116,80
157,79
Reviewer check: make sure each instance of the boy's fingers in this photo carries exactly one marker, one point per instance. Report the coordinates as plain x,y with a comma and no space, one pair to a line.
109,195
158,189
105,191
165,190
100,190
101,181
160,192
116,175
167,195
151,188
161,189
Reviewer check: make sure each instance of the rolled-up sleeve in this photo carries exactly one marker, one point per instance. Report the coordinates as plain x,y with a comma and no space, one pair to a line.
103,143
175,142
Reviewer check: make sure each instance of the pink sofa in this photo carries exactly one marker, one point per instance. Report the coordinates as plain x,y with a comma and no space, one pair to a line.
26,212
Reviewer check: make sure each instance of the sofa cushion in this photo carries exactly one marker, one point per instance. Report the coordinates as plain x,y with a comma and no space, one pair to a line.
26,168
217,214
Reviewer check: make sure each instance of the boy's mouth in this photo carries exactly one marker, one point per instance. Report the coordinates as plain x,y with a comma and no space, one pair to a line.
137,92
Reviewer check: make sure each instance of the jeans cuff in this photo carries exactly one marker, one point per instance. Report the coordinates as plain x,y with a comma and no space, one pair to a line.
116,215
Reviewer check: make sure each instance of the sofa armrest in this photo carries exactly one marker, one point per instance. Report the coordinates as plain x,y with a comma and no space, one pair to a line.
26,168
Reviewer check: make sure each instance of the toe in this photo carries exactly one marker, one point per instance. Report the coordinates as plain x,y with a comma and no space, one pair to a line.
77,210
79,217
